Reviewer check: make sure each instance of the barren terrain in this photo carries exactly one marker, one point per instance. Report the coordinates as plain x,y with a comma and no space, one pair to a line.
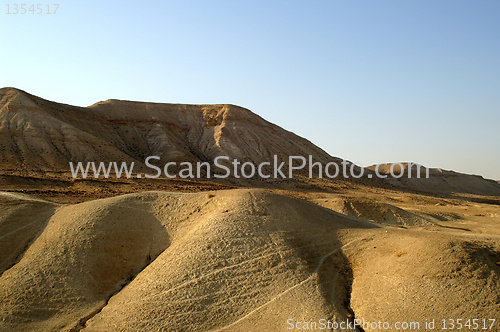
232,255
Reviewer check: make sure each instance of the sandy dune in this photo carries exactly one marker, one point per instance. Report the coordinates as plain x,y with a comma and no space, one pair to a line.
22,218
234,260
374,211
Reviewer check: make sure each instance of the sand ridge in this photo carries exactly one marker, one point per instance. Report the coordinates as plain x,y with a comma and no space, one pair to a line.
236,260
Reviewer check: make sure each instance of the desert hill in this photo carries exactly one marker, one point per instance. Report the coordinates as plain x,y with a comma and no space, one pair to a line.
40,135
231,260
38,139
199,255
439,180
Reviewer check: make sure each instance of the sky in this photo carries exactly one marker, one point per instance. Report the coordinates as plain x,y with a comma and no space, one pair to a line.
371,81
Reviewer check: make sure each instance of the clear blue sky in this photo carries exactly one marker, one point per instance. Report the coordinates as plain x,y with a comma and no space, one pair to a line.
370,81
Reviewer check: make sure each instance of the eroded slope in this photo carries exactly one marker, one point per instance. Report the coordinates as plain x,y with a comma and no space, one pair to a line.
237,260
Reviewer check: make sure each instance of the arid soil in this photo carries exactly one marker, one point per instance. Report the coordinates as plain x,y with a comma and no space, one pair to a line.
244,259
228,255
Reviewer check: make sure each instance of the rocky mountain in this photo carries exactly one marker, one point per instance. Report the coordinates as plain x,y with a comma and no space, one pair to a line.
438,180
40,135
